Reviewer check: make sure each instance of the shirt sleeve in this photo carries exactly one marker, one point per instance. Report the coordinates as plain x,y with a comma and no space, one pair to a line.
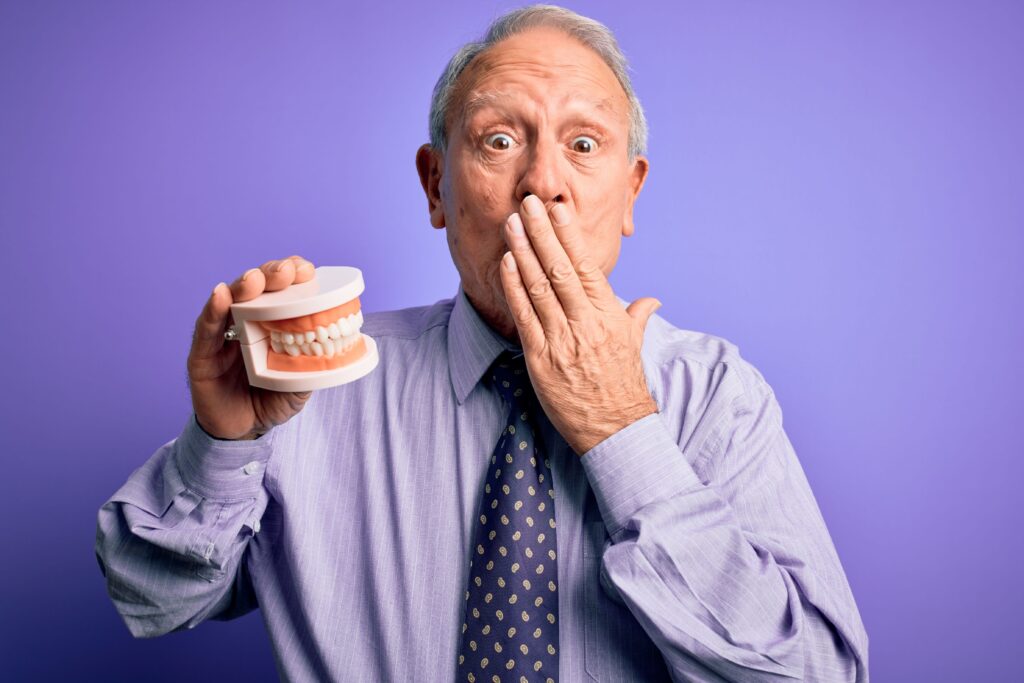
171,541
736,578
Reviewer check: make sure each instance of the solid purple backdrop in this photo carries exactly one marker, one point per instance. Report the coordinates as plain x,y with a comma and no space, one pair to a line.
835,188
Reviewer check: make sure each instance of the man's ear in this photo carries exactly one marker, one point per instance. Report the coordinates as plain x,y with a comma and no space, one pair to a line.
637,176
430,166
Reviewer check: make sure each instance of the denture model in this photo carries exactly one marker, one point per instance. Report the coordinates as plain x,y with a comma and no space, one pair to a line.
306,336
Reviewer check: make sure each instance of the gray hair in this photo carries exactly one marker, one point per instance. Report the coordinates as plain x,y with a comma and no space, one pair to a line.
593,34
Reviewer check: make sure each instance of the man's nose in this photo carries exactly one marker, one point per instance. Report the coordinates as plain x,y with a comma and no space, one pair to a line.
543,176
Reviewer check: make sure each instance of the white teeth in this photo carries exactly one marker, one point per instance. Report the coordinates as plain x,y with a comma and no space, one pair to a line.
324,340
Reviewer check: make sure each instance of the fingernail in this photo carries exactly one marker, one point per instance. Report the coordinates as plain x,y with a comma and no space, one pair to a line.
217,286
515,224
509,261
280,266
560,214
533,206
249,272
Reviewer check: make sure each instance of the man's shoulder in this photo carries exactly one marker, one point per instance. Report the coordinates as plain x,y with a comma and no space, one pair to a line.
408,323
671,350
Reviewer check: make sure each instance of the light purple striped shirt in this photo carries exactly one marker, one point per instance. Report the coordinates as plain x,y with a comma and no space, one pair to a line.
690,546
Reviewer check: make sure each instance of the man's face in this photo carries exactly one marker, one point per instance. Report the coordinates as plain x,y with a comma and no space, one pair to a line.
539,113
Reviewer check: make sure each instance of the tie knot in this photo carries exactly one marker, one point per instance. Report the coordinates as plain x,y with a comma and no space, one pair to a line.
511,379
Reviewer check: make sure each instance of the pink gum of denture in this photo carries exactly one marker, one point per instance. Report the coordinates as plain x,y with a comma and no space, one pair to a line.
333,292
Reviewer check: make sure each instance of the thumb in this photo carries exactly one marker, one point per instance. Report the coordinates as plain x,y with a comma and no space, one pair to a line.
642,309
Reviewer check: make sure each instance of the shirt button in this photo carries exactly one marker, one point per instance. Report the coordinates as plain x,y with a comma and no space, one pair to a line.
251,467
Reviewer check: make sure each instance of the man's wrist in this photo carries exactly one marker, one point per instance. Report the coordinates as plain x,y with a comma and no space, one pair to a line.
250,436
587,440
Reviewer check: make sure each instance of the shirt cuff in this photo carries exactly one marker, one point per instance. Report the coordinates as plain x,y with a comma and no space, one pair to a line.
219,469
636,466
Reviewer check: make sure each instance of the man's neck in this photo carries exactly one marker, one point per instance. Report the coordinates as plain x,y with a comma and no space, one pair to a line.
497,317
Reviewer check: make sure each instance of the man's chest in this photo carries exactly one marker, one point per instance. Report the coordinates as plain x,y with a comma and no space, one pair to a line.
373,517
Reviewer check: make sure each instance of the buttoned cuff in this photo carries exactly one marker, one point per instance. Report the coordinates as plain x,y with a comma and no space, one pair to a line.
636,466
218,469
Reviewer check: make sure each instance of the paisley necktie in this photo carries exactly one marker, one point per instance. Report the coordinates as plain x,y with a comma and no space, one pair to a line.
510,630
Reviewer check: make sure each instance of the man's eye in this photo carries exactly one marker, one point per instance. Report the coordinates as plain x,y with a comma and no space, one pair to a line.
499,141
584,144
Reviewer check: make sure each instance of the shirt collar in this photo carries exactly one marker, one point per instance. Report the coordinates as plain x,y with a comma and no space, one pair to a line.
472,346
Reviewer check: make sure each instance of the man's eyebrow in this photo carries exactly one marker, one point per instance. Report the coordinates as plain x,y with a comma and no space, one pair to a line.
607,104
478,101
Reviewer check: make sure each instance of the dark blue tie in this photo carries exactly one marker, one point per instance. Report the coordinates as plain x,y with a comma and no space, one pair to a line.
510,630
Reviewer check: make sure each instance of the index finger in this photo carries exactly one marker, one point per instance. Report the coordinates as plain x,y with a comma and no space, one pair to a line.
551,259
589,271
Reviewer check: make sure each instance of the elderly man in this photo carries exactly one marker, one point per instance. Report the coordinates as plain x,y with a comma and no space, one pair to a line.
403,527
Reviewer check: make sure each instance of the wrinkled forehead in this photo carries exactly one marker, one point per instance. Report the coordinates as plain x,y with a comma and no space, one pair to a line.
566,73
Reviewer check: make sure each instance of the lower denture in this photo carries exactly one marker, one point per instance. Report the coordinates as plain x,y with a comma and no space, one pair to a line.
282,361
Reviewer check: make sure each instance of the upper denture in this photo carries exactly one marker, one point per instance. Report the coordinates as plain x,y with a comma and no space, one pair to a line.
303,323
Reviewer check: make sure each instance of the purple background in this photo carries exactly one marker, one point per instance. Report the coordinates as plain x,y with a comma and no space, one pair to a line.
835,187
